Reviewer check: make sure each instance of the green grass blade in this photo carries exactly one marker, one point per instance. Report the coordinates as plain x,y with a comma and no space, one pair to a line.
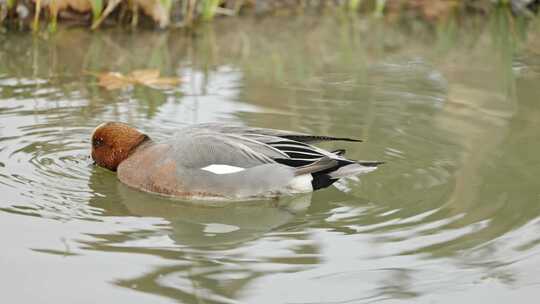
353,5
379,7
209,8
11,3
97,9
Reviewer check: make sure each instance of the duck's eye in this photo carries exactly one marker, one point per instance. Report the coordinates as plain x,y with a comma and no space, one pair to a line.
97,142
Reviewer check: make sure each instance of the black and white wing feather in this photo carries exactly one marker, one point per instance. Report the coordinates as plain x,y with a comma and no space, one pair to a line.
249,131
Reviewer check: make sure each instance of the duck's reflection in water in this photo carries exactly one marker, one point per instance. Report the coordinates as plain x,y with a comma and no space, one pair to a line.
208,242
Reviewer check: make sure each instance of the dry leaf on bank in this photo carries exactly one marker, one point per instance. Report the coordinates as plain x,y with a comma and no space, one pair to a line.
159,10
150,78
81,6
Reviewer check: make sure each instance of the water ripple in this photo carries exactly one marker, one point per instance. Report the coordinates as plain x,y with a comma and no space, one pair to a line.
45,163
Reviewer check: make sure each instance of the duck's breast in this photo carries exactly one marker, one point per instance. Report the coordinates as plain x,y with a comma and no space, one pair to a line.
150,169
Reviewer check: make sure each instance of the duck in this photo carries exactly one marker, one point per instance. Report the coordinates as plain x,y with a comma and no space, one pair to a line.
222,161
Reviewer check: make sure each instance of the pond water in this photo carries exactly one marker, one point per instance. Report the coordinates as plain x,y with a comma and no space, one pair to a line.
454,214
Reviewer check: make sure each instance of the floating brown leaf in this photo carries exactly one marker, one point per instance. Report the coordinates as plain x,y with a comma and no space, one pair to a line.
113,81
150,78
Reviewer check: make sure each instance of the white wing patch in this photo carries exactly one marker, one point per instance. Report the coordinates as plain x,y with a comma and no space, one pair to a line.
222,169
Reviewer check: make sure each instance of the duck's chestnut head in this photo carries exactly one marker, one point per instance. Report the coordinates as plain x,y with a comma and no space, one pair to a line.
112,142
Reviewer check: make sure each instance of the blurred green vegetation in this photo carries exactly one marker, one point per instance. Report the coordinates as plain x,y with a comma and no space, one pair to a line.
188,13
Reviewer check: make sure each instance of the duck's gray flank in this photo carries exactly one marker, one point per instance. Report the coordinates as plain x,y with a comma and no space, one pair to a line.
203,145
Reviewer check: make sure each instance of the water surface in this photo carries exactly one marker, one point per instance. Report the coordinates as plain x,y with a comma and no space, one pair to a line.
453,215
